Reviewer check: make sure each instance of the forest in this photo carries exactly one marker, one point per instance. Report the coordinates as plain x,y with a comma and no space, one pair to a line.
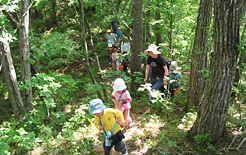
54,60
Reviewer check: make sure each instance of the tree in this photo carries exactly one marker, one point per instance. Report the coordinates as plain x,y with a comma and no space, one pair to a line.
157,25
25,54
170,32
213,106
11,81
137,41
199,54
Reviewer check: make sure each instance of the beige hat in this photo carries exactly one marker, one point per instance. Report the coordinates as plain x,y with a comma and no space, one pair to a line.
173,66
153,48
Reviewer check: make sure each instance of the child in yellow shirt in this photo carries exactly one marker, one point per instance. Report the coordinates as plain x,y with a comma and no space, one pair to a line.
112,121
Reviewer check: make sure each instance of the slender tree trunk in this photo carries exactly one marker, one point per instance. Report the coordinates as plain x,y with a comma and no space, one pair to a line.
25,54
199,54
157,26
97,61
11,82
124,6
241,62
170,33
118,5
213,106
54,11
148,26
137,42
83,36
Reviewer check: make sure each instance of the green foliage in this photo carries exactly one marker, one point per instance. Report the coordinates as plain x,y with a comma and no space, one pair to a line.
20,138
203,142
4,148
55,50
46,87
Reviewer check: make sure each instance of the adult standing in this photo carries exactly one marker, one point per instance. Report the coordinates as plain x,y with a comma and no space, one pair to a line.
125,49
159,69
114,25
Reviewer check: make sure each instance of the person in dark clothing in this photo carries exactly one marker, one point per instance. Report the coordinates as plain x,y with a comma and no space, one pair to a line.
159,69
114,25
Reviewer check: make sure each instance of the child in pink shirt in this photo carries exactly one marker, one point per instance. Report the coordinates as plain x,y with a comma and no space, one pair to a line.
114,56
122,98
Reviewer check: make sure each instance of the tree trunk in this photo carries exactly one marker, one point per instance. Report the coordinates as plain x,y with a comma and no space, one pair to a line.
213,106
11,82
199,54
118,5
83,36
240,65
54,11
25,54
170,33
158,26
137,41
148,27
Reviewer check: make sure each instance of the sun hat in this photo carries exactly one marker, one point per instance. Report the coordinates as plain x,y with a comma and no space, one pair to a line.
153,48
109,30
96,106
173,66
119,85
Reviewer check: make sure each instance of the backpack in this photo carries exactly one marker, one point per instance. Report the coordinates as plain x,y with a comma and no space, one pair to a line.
168,64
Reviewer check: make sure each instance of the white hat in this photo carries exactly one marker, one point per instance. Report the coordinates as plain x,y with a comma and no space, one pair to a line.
153,48
119,85
173,66
109,45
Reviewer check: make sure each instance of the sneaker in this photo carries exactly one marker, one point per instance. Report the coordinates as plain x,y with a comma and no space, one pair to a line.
125,153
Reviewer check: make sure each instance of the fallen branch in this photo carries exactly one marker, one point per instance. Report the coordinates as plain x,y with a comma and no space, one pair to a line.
241,144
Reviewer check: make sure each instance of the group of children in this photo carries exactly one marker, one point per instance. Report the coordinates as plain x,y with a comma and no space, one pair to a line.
114,37
111,121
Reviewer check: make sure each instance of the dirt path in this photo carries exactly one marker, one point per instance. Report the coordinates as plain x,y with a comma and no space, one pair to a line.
133,137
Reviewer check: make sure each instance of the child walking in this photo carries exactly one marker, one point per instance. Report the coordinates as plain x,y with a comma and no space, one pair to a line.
111,122
114,56
122,98
175,78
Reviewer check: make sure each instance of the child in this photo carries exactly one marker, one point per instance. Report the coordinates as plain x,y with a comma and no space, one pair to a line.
175,78
111,40
119,36
122,98
109,120
114,56
118,63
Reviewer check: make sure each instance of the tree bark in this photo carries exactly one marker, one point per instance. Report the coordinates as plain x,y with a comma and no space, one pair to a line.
118,5
157,26
11,82
213,106
170,32
137,42
242,60
148,26
199,54
25,54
